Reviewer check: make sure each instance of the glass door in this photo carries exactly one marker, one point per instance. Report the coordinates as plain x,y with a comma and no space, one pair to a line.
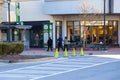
36,37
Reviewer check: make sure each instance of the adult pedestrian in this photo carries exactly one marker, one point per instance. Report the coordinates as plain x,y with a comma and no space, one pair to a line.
60,43
49,43
66,42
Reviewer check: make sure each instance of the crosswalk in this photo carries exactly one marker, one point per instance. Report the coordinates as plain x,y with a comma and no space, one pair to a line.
52,68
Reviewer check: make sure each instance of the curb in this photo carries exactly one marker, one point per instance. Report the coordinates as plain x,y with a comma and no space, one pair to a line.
27,60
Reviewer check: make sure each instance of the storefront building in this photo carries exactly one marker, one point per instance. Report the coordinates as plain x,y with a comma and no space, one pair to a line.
29,26
83,22
80,22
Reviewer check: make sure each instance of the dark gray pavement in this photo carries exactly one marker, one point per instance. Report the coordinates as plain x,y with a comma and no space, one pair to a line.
70,68
102,65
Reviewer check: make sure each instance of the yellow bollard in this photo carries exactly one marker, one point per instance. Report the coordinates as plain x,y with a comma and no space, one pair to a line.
81,52
73,52
56,53
65,53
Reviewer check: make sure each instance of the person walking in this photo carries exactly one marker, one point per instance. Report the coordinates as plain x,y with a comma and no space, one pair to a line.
60,43
66,42
49,43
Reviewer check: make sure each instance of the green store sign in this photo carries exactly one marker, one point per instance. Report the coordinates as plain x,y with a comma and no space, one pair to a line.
18,13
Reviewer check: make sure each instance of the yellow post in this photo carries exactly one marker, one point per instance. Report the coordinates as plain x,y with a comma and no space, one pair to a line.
81,52
73,52
65,53
56,53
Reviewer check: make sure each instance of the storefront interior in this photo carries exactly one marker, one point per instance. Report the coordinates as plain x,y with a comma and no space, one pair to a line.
91,32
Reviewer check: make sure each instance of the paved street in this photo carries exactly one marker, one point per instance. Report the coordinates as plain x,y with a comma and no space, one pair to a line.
71,68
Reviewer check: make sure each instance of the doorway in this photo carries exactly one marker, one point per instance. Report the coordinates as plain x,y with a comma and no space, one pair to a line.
36,37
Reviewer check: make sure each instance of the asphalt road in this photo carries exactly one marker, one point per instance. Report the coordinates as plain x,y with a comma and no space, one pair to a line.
72,68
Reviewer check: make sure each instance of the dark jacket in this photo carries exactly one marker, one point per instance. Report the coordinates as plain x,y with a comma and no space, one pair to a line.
49,42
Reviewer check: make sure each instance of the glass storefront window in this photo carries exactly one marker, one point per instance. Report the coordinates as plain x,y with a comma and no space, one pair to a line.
18,34
70,23
3,35
73,32
58,27
93,31
115,32
77,32
93,23
76,29
70,30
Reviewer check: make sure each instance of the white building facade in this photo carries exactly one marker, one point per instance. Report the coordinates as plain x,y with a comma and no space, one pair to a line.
81,21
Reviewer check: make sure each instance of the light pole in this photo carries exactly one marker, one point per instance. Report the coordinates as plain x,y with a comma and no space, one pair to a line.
104,37
8,1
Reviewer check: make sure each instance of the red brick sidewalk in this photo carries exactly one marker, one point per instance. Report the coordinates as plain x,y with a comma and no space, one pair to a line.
115,50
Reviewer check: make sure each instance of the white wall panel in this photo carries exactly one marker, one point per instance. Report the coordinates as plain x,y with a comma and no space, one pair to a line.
73,7
33,11
63,7
116,6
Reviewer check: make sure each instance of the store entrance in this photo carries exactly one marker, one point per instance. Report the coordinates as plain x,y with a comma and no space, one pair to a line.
36,37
